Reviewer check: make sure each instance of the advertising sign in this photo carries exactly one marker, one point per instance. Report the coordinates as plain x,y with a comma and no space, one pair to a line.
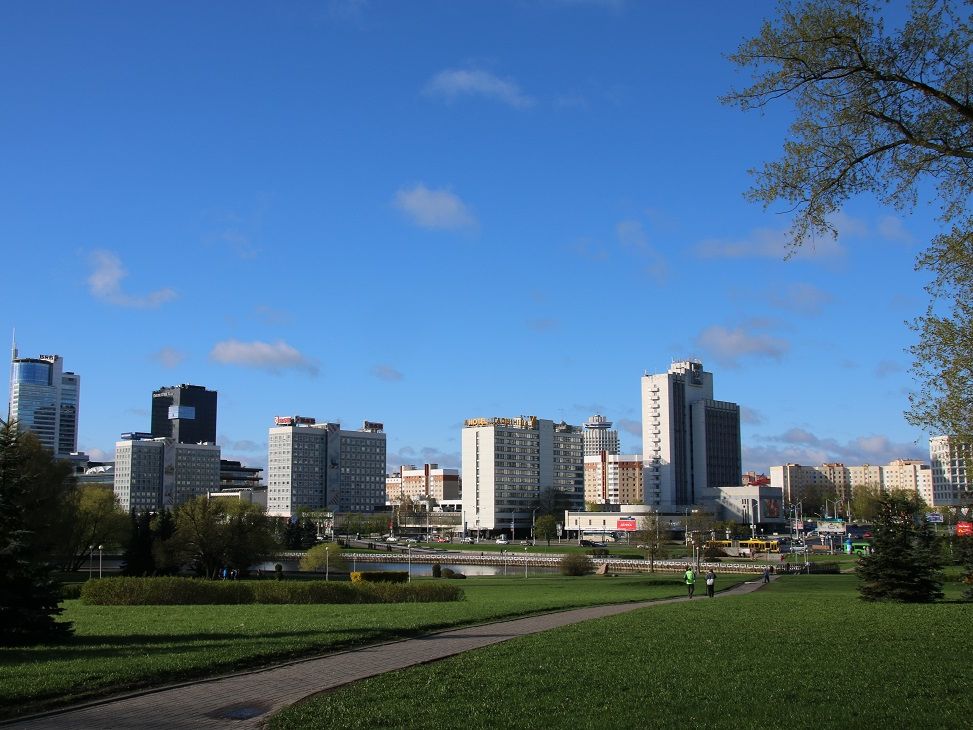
934,517
769,508
834,527
625,523
964,529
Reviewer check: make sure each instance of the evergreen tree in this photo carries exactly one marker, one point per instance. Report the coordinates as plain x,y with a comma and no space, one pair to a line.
964,556
29,596
904,564
138,558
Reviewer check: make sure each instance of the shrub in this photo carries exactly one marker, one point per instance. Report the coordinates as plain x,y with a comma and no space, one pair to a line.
166,590
437,570
576,564
598,553
453,575
70,590
380,576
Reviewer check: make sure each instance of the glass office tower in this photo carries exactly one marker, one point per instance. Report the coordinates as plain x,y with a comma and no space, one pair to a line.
45,401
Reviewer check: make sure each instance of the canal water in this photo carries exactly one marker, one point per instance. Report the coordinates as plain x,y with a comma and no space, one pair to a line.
424,569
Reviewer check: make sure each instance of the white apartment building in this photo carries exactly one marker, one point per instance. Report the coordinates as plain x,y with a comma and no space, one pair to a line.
613,478
599,436
690,442
508,462
795,479
430,481
951,482
320,466
159,473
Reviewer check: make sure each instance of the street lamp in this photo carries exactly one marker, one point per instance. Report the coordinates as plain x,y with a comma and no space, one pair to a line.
525,563
533,521
100,550
91,559
327,562
410,562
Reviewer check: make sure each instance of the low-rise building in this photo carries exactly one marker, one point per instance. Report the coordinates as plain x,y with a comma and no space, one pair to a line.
613,478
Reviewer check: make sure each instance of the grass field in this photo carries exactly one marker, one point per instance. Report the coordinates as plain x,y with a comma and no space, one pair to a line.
805,652
121,647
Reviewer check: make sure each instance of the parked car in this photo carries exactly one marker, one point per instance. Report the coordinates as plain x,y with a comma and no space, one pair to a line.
502,540
412,541
468,540
391,538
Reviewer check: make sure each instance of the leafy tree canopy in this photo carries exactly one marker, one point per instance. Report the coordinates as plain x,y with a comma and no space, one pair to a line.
882,108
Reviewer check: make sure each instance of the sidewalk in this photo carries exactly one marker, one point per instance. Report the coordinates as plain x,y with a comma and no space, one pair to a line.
246,700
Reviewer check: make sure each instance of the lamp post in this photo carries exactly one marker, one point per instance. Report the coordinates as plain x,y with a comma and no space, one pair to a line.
533,521
91,559
525,563
100,552
327,562
410,562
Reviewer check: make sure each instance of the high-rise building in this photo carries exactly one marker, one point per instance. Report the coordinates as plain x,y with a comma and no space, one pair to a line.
952,472
44,400
186,413
321,466
599,436
690,442
613,478
161,473
509,462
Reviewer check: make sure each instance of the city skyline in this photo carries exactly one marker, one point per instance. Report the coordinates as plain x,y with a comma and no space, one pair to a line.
424,214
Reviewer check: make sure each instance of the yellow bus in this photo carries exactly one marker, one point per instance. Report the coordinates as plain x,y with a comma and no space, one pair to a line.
760,546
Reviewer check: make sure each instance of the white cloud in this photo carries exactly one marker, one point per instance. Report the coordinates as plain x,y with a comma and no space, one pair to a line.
386,372
801,297
888,367
630,426
891,227
454,83
800,446
168,357
437,209
632,236
105,283
272,357
246,445
751,416
727,346
773,243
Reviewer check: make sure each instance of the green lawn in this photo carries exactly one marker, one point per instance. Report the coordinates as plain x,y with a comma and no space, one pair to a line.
805,652
119,647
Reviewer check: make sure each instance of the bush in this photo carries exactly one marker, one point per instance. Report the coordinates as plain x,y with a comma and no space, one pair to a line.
576,564
195,591
70,590
598,553
380,576
437,570
452,574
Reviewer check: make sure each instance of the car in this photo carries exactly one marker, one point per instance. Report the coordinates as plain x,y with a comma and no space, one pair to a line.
391,538
412,541
502,541
468,540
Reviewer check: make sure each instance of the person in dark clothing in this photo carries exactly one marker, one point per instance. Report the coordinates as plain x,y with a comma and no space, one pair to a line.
710,583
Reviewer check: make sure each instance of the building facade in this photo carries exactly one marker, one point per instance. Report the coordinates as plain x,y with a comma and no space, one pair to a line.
613,479
186,413
160,473
599,436
797,480
690,442
45,400
952,481
430,481
509,462
320,466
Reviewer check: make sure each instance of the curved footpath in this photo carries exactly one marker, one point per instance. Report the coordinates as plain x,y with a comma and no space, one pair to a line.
247,699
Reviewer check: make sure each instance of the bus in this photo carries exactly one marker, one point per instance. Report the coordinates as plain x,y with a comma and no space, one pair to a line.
760,546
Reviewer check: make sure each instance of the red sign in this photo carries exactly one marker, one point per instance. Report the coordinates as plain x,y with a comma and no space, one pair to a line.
964,529
626,524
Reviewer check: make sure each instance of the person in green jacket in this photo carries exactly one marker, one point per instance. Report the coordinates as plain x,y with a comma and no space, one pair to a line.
690,580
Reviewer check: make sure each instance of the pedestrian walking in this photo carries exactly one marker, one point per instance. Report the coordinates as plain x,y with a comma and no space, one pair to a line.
767,574
710,583
690,577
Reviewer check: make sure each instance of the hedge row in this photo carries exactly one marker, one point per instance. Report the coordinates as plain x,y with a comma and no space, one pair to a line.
167,590
379,576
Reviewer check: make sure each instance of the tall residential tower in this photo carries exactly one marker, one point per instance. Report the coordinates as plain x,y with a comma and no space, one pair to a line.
690,442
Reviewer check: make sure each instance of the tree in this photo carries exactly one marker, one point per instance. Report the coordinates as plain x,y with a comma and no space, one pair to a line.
322,557
29,596
964,556
551,501
545,528
212,534
904,564
866,502
137,559
650,538
98,520
882,112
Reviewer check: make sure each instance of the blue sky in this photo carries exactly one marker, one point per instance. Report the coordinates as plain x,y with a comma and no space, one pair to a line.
418,213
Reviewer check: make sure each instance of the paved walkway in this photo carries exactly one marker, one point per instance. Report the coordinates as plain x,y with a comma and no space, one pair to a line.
246,700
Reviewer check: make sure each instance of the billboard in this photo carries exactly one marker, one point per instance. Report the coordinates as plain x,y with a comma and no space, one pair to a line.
832,526
964,529
769,508
626,523
934,517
